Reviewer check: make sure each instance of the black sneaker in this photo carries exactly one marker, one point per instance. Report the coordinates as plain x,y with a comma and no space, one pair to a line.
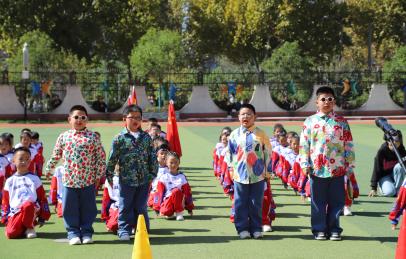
320,236
335,236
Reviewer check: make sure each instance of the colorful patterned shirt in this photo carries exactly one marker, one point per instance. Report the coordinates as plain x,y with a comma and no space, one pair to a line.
326,146
135,156
83,158
250,152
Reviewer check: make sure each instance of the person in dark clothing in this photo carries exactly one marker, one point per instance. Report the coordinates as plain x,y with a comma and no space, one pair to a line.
388,174
99,105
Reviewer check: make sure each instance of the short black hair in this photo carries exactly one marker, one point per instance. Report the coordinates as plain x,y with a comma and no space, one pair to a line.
278,126
132,108
152,119
163,147
156,125
26,134
248,106
23,149
227,128
25,129
325,90
173,154
8,137
34,135
77,108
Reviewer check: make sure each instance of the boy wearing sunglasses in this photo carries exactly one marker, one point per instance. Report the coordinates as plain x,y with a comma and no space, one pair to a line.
327,155
84,164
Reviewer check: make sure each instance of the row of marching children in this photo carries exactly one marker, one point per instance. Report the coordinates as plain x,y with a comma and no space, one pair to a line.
285,165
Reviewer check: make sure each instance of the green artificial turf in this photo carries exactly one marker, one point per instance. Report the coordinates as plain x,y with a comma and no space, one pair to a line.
209,233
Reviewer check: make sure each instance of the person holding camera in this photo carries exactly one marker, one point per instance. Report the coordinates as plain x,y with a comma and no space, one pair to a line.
388,174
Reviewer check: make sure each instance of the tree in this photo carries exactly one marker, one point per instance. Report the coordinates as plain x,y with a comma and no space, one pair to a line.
317,26
384,21
157,52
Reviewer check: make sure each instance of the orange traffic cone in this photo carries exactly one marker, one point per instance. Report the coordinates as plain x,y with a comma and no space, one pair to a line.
142,248
401,248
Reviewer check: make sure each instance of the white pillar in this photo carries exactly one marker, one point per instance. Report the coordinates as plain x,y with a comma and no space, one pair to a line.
201,102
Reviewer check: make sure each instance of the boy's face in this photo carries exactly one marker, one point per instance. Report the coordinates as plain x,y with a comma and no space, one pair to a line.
25,141
283,140
21,160
34,141
397,144
78,120
154,131
277,131
133,121
246,117
161,156
325,102
173,164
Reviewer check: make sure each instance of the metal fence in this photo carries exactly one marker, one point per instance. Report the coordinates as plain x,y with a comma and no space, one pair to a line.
112,87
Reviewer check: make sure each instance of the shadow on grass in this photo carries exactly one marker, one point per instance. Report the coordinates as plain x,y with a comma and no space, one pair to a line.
212,207
204,192
289,228
207,217
371,213
209,197
198,180
291,215
191,240
393,239
53,235
196,168
172,231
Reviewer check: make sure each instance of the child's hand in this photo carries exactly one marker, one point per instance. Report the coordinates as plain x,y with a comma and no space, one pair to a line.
393,226
372,193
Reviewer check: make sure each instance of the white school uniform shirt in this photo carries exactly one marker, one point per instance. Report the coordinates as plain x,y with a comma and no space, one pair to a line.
114,191
37,146
172,181
10,156
3,164
58,173
290,156
21,188
161,171
219,148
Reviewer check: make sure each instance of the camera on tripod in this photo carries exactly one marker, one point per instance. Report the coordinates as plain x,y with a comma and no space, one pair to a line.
390,134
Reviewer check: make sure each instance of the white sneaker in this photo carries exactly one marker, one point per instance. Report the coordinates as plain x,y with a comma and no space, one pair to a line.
75,241
30,233
87,240
125,237
266,228
309,199
179,216
347,211
257,235
245,235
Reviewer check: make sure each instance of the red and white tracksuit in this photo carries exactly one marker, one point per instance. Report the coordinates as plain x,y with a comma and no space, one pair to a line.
154,185
55,191
24,204
174,195
110,204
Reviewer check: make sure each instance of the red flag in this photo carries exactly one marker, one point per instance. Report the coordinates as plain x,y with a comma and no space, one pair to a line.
401,248
132,98
172,134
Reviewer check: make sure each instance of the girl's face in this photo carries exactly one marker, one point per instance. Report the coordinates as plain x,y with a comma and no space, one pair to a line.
294,145
5,147
283,141
161,156
25,141
277,131
224,139
397,144
22,161
173,164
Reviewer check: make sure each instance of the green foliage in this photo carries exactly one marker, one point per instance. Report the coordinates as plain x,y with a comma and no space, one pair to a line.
157,52
288,76
394,72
